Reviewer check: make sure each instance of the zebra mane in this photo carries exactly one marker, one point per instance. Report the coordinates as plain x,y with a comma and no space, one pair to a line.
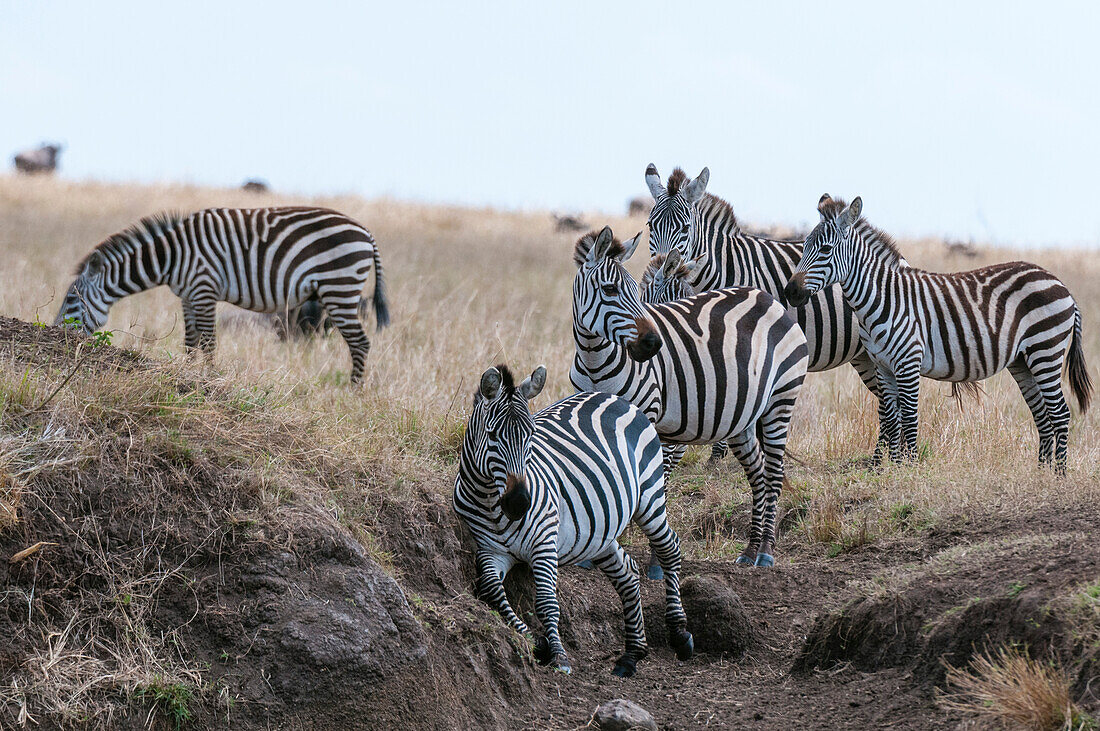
507,381
713,206
584,245
676,181
130,238
877,238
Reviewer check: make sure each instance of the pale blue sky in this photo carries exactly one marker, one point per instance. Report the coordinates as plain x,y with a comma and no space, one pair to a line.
956,118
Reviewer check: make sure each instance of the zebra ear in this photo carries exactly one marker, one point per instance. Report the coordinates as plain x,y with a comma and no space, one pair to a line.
532,386
697,188
600,246
630,246
93,266
696,263
490,384
672,262
653,180
855,210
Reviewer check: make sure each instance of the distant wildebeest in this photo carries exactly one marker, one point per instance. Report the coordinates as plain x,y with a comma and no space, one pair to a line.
639,207
965,249
564,222
261,259
40,160
255,185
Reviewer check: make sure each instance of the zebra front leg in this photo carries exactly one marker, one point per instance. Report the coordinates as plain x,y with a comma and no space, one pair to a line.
888,416
491,570
199,322
908,384
618,567
545,568
747,450
718,452
865,367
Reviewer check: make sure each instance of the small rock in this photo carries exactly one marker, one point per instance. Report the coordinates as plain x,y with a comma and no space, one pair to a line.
622,715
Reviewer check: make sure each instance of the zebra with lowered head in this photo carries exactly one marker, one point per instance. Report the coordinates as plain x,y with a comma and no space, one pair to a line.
558,488
703,227
720,366
260,259
960,327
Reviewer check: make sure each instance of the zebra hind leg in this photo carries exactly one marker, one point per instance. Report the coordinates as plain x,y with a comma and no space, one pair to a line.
718,452
775,427
673,453
1035,402
622,572
666,546
747,450
1048,375
345,316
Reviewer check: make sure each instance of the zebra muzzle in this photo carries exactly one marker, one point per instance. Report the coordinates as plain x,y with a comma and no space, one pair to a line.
516,499
795,292
647,343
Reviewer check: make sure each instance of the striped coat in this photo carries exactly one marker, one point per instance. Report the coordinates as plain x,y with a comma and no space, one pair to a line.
560,487
719,366
960,327
261,259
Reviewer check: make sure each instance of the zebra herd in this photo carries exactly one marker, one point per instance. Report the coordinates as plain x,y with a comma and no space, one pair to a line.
712,349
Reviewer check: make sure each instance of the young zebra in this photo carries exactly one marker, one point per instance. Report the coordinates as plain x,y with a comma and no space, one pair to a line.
721,365
261,259
960,327
698,224
558,488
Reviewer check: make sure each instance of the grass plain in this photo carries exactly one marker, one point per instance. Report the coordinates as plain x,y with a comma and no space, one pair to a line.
470,288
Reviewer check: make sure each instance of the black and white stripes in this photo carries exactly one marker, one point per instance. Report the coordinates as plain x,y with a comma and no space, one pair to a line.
717,366
261,259
960,327
559,488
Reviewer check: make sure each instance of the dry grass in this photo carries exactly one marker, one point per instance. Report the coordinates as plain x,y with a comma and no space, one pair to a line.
1009,689
473,287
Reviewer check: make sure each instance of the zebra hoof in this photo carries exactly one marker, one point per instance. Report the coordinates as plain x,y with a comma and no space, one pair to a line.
625,667
744,560
561,665
764,560
655,573
684,644
541,651
586,564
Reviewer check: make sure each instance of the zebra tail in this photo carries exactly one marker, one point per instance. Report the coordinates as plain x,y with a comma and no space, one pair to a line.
381,305
1076,369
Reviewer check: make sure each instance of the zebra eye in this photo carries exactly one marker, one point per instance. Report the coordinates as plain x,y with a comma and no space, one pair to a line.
684,230
610,290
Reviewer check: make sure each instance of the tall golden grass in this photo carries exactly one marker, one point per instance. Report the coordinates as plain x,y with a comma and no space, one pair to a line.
472,287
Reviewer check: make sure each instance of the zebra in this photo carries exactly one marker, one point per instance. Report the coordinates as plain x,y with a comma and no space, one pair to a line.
721,365
667,277
702,225
261,259
961,327
560,487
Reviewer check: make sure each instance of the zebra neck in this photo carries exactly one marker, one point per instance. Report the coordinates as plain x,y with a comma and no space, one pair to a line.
606,365
137,264
716,231
870,277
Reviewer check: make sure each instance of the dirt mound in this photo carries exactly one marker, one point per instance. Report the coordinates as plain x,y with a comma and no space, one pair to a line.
185,565
1014,591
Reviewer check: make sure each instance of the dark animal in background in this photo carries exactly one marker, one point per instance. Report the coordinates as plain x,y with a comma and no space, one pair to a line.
639,207
255,186
40,160
564,222
965,249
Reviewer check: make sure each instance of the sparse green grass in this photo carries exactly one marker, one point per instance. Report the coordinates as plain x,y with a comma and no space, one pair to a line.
171,698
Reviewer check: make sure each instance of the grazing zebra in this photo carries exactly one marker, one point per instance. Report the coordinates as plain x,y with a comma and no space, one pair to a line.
721,365
261,259
702,225
960,327
558,488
